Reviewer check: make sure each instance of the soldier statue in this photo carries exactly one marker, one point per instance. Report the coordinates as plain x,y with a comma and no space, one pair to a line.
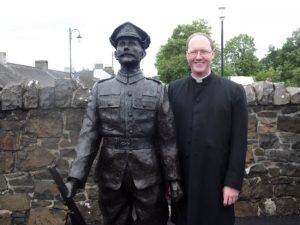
130,119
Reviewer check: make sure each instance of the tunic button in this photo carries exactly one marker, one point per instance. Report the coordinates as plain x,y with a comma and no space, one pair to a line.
129,94
130,114
130,131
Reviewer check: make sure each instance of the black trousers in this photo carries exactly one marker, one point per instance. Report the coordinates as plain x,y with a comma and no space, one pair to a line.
130,206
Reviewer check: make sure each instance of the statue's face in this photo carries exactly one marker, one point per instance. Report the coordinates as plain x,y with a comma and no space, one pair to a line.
129,51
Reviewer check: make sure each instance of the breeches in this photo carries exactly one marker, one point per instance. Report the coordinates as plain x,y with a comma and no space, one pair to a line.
130,206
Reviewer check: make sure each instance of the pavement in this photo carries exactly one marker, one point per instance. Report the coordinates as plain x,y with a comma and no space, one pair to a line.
266,220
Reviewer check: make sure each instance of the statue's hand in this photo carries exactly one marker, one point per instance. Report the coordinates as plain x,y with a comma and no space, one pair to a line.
176,191
72,186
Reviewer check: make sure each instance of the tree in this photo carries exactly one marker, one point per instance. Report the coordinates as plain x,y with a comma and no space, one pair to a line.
285,62
239,56
171,62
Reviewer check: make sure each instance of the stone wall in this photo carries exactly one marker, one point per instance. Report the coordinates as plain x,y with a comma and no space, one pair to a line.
272,181
39,126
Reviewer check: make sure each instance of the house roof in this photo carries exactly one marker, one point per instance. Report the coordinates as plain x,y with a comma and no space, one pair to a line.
15,73
101,74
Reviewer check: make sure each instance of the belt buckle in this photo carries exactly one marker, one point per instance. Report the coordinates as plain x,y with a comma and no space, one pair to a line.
124,142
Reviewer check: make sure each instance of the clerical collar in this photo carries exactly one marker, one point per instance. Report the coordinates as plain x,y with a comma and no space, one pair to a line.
200,80
130,78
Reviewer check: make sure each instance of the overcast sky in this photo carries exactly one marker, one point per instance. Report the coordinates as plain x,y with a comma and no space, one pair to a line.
39,29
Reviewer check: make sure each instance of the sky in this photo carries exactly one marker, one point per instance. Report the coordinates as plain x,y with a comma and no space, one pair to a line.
39,29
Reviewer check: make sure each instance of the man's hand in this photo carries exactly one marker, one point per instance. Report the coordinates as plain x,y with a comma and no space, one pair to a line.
72,186
176,191
230,195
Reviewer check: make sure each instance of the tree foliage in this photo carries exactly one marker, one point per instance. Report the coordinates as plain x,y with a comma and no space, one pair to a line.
284,62
239,56
171,62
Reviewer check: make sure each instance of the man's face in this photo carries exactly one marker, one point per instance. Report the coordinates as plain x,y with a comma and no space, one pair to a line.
129,51
200,55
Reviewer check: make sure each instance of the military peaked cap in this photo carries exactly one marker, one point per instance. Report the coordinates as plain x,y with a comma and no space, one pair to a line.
130,30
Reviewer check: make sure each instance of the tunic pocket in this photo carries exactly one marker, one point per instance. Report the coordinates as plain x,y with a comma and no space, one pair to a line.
109,111
144,109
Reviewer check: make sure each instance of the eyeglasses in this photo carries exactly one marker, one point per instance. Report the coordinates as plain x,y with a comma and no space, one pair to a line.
195,53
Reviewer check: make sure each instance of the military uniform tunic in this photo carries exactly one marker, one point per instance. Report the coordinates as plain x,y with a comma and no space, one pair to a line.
132,117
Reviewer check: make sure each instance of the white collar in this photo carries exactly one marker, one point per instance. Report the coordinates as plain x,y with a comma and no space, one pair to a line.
198,79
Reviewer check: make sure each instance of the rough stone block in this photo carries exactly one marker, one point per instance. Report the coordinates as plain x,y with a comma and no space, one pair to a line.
74,119
35,160
289,123
50,143
251,96
9,141
278,155
45,123
286,206
252,126
267,207
264,92
11,97
7,162
295,94
44,216
3,184
11,125
257,169
46,97
281,190
254,188
263,128
249,154
245,208
290,169
268,141
281,97
30,96
46,190
24,179
15,202
63,90
5,217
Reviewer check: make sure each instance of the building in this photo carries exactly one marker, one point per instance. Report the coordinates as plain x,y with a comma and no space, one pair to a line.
88,77
243,80
16,73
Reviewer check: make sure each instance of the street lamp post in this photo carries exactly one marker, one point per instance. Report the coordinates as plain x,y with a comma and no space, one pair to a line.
222,17
70,45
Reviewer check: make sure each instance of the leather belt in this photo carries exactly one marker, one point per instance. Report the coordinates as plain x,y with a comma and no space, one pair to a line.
128,143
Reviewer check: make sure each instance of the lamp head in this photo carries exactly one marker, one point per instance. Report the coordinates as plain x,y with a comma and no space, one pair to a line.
222,12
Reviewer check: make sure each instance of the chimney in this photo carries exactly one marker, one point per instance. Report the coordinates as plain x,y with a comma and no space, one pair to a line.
41,64
3,57
98,66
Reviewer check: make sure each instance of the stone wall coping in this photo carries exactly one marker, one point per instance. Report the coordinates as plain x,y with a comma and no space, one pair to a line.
67,93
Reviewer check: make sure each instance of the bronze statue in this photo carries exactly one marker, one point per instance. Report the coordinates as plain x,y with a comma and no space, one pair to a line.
131,115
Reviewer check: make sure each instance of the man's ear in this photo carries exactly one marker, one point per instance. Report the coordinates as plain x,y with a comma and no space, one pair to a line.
115,54
143,54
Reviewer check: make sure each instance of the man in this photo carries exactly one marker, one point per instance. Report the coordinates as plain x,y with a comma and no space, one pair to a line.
131,115
211,121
